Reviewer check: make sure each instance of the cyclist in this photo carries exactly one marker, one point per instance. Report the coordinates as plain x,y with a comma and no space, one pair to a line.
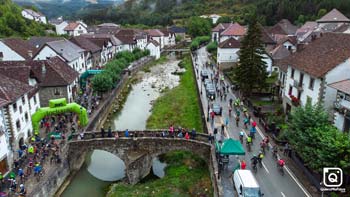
281,163
241,135
249,142
237,121
246,122
263,145
267,140
260,157
254,161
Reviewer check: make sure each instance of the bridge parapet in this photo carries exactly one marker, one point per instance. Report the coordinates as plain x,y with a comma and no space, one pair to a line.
136,134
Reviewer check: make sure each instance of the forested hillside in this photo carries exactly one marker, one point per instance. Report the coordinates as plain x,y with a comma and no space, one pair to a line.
163,12
13,24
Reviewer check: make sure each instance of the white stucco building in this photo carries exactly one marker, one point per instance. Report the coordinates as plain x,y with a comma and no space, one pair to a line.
154,48
72,54
15,49
342,105
59,24
35,16
76,28
228,51
310,71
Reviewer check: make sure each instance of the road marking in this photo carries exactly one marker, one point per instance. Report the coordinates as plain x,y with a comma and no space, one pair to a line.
295,179
283,194
265,167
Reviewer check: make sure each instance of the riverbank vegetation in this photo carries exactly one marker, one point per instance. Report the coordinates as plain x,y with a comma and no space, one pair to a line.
198,41
178,106
186,174
161,60
111,74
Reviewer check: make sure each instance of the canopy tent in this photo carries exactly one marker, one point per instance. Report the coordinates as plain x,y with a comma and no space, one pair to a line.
230,147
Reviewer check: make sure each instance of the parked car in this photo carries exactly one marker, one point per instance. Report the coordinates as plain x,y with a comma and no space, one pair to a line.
211,93
209,86
217,109
206,81
204,75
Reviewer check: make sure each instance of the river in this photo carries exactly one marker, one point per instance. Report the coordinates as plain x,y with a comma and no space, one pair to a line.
101,168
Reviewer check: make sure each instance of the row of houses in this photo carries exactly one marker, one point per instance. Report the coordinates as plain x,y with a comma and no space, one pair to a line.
312,61
36,70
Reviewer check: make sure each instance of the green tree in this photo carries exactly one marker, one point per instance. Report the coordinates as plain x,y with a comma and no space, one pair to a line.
102,82
321,13
251,72
198,26
224,19
317,142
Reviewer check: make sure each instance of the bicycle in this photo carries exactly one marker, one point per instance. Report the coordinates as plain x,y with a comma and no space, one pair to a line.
280,169
241,138
254,168
249,146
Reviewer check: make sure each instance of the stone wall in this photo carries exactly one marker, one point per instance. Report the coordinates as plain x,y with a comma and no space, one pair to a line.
52,179
47,93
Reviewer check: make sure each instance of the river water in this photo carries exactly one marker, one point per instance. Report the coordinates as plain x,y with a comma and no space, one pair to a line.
102,168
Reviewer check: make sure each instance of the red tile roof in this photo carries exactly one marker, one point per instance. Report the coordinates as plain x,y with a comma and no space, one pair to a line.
71,26
20,46
234,30
57,72
221,26
230,44
334,16
85,43
154,32
321,55
284,27
343,86
154,42
11,89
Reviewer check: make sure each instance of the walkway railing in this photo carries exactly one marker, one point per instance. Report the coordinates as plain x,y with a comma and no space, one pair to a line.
135,134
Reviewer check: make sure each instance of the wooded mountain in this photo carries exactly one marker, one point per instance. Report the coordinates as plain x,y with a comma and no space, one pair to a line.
67,8
13,24
163,12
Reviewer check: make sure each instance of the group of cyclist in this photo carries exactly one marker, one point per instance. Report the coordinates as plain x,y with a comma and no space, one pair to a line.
264,144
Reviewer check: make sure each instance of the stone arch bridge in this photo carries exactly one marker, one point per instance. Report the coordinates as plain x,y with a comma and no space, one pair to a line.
136,151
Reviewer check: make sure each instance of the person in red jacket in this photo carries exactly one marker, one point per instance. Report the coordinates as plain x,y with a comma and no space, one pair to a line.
243,165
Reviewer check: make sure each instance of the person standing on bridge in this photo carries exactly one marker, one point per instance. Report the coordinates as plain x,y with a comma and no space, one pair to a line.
102,132
109,132
126,133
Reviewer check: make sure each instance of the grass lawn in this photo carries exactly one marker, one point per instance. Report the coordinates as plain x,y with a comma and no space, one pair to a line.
261,103
185,175
178,106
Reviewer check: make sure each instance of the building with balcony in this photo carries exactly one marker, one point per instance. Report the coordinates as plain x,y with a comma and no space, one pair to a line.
342,105
309,71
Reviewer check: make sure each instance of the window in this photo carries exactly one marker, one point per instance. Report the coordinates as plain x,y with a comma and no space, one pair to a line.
23,100
299,95
26,116
20,109
15,107
34,99
292,74
57,92
290,90
18,125
311,84
308,99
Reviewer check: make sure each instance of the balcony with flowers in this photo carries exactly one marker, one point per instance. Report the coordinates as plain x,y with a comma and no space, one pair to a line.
295,101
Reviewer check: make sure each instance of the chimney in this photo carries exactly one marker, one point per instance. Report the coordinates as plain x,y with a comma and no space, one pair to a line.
43,69
1,56
30,53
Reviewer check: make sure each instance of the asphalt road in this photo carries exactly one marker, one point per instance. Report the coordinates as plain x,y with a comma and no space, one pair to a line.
272,183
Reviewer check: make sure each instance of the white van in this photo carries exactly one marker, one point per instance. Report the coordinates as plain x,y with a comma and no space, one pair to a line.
245,184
